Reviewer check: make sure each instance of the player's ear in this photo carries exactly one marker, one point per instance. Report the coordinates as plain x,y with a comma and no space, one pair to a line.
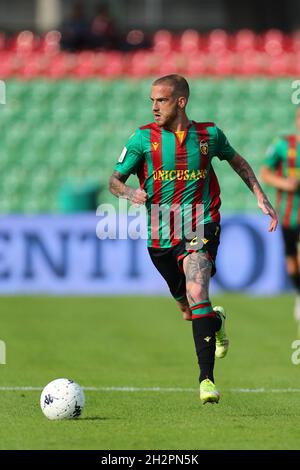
182,101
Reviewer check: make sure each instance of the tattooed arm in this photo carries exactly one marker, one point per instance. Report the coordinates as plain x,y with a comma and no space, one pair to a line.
244,170
118,187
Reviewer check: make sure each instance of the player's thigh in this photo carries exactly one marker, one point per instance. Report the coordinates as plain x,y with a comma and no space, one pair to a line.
209,244
165,262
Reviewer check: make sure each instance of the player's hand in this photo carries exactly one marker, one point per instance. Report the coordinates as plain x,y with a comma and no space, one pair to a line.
291,184
138,196
267,208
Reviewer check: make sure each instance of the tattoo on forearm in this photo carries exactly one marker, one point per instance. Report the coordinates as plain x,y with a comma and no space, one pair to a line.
118,187
268,205
197,270
244,170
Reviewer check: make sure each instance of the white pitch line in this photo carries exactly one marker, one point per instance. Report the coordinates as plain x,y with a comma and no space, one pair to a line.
158,389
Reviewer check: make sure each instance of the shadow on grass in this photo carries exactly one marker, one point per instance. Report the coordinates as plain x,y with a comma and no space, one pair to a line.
95,418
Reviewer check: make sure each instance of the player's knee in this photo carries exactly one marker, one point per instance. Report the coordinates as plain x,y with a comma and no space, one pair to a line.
291,265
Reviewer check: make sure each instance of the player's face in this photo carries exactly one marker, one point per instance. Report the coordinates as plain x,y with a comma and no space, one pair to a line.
298,120
164,104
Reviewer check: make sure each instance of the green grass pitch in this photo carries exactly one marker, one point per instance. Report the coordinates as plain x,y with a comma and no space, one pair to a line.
143,342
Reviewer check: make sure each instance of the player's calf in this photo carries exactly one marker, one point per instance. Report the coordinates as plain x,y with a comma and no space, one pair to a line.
185,309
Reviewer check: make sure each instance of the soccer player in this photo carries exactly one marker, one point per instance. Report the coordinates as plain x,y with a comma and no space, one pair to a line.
282,171
172,158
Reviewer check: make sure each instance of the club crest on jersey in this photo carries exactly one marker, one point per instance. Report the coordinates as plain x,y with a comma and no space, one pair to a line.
155,145
203,147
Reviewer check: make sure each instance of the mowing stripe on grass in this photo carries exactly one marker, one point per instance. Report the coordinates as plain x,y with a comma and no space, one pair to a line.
157,389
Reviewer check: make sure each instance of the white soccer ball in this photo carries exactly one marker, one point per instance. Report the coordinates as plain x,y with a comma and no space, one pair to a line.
62,399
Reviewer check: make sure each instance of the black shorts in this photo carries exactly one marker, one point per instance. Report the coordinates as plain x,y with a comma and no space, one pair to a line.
169,261
291,238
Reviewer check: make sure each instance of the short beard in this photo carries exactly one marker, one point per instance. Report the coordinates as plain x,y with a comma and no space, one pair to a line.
171,118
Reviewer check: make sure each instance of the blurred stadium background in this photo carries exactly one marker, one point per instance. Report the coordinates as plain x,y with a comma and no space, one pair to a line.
76,79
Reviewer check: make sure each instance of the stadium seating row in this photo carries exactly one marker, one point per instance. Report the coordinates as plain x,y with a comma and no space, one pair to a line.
217,53
57,131
272,41
146,63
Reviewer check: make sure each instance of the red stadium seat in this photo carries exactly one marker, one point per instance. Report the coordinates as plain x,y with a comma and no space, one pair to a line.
114,66
217,53
61,65
245,40
26,42
279,66
36,65
85,64
218,41
190,41
196,65
273,42
51,42
141,64
173,63
100,60
248,64
7,65
222,65
162,42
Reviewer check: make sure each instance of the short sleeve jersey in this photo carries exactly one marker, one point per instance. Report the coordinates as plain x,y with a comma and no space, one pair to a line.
283,157
177,175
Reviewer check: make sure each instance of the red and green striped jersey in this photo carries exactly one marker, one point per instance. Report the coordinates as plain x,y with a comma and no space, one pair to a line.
176,173
283,156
